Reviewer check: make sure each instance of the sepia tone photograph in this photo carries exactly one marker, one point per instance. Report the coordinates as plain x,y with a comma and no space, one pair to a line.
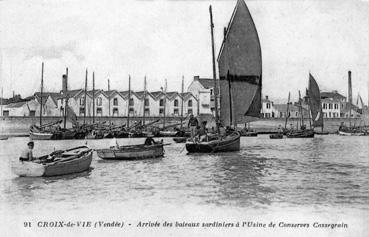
184,118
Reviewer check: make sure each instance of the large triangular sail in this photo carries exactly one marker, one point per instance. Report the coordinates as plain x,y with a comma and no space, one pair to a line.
315,103
240,69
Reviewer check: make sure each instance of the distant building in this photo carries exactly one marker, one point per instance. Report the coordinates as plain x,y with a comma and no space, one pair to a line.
203,90
267,110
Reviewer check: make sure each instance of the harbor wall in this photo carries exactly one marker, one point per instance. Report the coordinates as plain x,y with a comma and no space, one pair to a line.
20,125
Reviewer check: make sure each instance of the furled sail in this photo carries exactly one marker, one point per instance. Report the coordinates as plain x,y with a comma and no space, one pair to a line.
240,69
315,103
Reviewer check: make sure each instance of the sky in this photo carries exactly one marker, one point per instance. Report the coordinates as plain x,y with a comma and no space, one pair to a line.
170,39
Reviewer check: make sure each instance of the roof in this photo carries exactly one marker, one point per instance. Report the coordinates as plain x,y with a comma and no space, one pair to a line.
333,94
45,95
206,82
16,105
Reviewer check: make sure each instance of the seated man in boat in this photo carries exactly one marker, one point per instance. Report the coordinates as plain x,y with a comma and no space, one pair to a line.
27,154
201,134
150,141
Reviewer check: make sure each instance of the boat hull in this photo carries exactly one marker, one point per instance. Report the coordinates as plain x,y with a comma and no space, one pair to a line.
343,133
276,136
67,165
301,134
180,139
227,144
40,136
132,152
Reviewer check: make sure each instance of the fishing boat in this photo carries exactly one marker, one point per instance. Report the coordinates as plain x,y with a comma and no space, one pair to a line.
132,152
240,80
180,139
69,161
276,136
225,144
3,137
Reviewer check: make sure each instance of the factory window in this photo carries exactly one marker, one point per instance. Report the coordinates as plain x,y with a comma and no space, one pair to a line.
115,101
335,106
131,111
324,106
268,106
81,111
161,111
176,103
330,107
82,101
115,112
131,102
190,103
99,111
161,102
99,101
32,113
147,103
147,112
6,113
175,112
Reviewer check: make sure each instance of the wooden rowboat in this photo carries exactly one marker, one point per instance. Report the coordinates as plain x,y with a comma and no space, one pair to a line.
70,161
276,136
223,144
40,135
132,152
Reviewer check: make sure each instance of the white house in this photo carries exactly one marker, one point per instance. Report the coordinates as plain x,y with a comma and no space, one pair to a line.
203,90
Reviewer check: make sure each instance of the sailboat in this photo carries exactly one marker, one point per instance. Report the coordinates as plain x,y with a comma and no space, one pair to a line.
240,73
40,133
315,109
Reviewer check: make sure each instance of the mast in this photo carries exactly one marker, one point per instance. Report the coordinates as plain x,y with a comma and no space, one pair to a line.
109,100
301,110
1,102
144,100
84,114
93,97
129,98
42,88
182,103
288,110
214,70
349,95
165,101
309,109
66,99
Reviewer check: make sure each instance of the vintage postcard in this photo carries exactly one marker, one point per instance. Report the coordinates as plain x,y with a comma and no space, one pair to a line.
184,118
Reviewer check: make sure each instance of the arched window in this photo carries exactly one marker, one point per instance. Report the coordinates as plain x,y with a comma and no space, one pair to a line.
190,103
99,101
115,101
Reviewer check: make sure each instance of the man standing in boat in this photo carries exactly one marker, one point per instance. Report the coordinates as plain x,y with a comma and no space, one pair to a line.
27,154
192,125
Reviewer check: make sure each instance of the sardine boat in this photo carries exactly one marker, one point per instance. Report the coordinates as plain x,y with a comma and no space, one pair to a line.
40,135
70,161
132,152
227,143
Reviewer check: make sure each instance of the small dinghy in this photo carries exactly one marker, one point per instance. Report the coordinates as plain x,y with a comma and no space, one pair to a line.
3,137
228,143
276,136
69,161
180,139
132,152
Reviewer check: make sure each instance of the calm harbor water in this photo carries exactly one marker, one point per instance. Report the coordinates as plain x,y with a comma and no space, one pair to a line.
326,177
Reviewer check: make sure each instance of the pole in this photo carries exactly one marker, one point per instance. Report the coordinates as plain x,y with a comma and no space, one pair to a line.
109,100
93,97
2,102
182,103
144,100
84,114
165,101
288,110
129,98
42,86
309,108
301,110
214,71
66,99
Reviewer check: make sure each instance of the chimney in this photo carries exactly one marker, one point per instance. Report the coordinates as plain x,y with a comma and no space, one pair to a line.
65,83
349,88
196,78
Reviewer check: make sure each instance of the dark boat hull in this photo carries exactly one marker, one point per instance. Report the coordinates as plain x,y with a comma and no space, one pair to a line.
180,139
133,152
276,136
227,144
301,134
